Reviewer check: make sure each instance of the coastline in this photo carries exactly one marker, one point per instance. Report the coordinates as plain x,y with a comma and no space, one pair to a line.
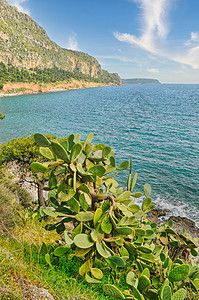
23,88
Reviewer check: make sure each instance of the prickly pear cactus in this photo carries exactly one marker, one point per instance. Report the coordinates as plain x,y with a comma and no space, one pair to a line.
179,273
107,225
113,291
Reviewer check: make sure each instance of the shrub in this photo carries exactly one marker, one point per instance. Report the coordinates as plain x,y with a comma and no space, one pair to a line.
1,86
109,230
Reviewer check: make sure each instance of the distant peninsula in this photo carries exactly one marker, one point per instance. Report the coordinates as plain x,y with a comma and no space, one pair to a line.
141,81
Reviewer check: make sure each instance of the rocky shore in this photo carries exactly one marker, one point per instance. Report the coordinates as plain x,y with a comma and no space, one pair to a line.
23,88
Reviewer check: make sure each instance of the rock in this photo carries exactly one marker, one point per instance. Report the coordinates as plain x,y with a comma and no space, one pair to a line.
181,222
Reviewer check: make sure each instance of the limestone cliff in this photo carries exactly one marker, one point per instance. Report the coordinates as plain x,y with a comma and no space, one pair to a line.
23,43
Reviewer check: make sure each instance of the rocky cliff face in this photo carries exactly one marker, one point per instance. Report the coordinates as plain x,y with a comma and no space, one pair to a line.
23,43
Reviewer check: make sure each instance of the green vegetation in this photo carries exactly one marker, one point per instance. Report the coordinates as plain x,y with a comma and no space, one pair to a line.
1,116
10,73
111,233
105,240
1,86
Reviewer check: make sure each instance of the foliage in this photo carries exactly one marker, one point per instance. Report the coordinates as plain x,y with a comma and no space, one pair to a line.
1,86
24,151
109,230
1,116
10,73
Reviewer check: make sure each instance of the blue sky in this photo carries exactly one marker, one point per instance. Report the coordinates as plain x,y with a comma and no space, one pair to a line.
135,38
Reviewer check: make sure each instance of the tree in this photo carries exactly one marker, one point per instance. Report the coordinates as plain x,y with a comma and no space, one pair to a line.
24,151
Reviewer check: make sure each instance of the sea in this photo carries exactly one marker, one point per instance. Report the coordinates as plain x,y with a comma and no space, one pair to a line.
157,124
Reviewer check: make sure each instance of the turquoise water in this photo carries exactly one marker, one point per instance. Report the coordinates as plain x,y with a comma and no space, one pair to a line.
157,124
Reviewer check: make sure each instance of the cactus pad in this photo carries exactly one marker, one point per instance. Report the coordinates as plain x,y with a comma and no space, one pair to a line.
112,291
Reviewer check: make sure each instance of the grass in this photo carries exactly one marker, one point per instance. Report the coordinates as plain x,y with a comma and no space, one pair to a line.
24,272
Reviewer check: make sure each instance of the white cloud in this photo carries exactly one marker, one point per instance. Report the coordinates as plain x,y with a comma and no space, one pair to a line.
153,70
190,58
117,57
154,25
72,42
20,5
195,36
155,30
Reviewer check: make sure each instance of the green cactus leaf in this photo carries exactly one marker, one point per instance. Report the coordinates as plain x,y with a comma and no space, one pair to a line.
112,161
89,138
124,196
41,140
147,189
81,252
144,249
106,225
59,251
153,295
73,204
146,203
85,268
102,251
140,232
112,291
68,240
59,151
133,182
137,294
162,257
170,223
75,152
179,273
91,280
88,149
146,272
47,258
38,167
195,283
194,252
83,203
106,151
97,216
94,235
124,230
124,253
97,170
76,138
83,241
84,216
65,145
130,278
52,181
97,273
118,261
46,152
124,165
49,211
134,208
137,195
180,294
143,283
166,293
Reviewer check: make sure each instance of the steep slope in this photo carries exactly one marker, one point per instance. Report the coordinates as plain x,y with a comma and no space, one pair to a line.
23,43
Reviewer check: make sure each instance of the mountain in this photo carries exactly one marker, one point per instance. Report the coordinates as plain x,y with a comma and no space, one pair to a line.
140,81
25,44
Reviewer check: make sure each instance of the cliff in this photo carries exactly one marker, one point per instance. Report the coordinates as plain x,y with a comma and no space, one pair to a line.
23,43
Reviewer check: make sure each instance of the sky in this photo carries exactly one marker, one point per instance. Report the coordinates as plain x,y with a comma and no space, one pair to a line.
134,38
